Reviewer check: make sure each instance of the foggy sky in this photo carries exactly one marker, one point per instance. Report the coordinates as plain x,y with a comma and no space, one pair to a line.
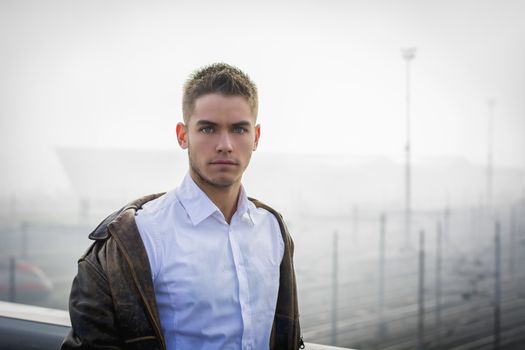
330,76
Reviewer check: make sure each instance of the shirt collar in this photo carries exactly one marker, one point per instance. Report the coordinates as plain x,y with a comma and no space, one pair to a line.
245,208
199,206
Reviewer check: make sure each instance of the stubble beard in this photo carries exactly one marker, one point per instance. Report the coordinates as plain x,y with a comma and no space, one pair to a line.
204,179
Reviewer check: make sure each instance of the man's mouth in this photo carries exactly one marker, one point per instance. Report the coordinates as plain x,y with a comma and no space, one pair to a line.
223,162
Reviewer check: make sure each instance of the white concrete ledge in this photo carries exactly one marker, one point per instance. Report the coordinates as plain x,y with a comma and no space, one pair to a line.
34,313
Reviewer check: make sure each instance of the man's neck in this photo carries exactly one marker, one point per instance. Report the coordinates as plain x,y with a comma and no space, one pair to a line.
225,198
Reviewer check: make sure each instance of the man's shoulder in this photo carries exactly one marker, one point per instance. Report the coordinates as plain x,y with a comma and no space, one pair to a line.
265,209
159,205
121,223
119,216
261,205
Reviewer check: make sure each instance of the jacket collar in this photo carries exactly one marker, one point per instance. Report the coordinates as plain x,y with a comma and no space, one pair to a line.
101,233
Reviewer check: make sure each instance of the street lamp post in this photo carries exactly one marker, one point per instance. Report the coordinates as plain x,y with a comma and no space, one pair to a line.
491,103
408,55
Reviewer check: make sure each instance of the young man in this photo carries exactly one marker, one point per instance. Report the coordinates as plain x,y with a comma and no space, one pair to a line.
202,266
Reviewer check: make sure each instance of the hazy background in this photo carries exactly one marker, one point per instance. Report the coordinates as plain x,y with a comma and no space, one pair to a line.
330,75
90,94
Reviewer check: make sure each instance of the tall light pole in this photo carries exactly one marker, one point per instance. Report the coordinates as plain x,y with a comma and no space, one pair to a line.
408,55
491,103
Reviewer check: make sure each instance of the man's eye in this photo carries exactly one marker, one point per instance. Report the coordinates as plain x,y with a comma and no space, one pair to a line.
239,130
206,130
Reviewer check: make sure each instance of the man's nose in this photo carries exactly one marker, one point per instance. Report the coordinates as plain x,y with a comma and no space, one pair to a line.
224,143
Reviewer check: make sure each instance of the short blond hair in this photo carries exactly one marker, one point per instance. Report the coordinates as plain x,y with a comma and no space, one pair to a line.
218,78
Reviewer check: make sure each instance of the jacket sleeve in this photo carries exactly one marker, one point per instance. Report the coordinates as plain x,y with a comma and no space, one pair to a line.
91,310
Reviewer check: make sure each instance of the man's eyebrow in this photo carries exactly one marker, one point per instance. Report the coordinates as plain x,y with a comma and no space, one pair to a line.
205,122
242,123
202,122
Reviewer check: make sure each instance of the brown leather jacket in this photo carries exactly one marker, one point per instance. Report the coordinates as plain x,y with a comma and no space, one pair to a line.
112,303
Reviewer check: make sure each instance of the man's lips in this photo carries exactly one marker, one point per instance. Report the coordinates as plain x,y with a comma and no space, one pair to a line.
223,162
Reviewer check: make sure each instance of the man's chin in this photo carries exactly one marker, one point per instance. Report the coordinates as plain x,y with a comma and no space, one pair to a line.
223,181
218,182
214,179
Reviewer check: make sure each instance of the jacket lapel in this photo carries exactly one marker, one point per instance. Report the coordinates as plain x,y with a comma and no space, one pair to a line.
126,234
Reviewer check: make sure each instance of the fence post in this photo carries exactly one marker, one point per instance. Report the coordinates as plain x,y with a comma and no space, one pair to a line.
474,230
24,228
355,222
421,291
12,279
381,328
512,243
446,223
438,284
335,284
497,284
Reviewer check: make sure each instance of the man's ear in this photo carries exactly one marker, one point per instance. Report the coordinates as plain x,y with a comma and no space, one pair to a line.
257,135
182,135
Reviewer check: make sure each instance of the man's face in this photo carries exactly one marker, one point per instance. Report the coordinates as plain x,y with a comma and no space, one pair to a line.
220,137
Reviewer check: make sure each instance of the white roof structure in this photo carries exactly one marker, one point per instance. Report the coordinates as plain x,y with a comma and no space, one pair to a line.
109,173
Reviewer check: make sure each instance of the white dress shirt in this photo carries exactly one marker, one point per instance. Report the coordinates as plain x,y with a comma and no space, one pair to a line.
215,283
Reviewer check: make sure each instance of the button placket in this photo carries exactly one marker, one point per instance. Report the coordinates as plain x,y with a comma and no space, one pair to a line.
244,292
